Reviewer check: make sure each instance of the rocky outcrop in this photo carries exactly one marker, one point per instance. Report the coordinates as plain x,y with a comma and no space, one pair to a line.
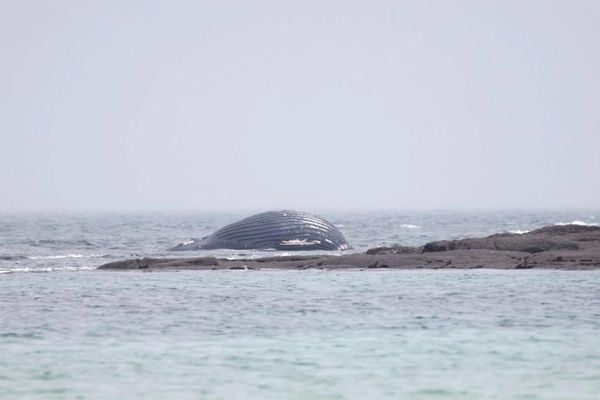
567,237
563,247
396,249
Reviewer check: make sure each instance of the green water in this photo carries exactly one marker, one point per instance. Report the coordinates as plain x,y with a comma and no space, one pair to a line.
300,335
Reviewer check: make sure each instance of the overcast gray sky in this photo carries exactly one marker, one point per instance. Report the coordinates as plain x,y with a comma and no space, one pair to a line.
304,104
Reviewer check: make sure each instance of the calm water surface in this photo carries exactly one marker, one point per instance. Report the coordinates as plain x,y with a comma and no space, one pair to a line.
73,332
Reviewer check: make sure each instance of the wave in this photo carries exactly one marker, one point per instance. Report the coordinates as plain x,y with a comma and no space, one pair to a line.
58,256
577,222
12,258
43,270
410,226
55,242
518,231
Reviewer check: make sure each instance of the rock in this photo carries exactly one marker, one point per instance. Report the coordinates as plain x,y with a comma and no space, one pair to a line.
567,237
396,249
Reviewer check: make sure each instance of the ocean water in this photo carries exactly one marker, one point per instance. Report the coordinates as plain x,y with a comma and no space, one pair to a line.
80,241
68,331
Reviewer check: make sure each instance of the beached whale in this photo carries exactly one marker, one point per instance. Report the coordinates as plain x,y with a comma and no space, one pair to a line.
568,247
278,230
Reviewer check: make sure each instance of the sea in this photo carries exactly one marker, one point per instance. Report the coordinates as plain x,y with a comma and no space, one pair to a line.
69,331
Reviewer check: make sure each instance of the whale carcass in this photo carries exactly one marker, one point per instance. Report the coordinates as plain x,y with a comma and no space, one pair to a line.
278,230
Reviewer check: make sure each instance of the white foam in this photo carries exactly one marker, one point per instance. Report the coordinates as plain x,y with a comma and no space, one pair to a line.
299,242
53,257
50,269
518,231
410,226
577,222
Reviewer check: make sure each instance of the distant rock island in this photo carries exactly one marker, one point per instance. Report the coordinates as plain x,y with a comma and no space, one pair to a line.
550,247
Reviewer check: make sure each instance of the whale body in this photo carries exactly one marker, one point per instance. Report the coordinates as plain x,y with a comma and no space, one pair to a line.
277,230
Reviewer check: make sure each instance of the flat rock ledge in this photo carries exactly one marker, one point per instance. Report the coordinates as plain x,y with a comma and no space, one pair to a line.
553,247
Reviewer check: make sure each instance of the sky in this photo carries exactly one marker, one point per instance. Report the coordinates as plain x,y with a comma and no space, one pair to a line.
315,105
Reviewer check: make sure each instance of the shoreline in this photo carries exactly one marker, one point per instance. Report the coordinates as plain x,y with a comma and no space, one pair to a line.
566,247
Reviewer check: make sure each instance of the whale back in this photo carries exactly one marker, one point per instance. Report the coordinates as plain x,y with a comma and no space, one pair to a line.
278,230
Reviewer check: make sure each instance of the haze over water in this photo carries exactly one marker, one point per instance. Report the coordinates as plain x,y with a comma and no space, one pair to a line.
337,105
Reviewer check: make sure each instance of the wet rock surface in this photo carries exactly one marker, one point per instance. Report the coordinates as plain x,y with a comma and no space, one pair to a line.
567,237
559,247
397,249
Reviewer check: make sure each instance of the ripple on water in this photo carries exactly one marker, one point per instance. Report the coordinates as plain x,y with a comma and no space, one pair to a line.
341,334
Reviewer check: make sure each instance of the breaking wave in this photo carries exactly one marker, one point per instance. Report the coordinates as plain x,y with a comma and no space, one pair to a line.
577,222
42,270
54,257
410,226
55,242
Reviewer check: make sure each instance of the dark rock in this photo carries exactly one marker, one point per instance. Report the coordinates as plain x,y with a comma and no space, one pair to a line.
377,265
203,261
523,266
581,231
397,249
286,258
567,237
